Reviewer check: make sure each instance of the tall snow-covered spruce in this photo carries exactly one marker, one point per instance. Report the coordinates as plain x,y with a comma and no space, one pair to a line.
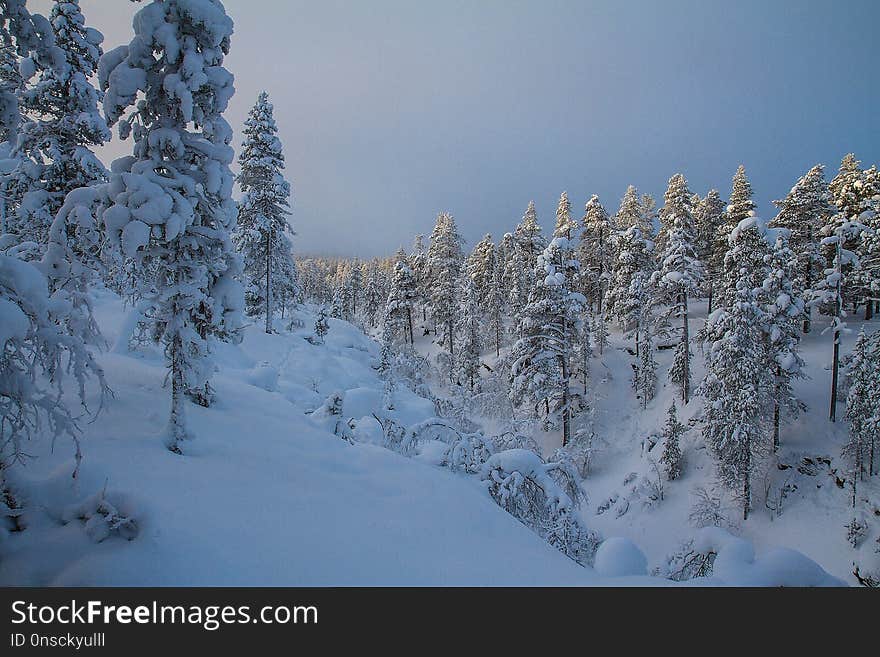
445,261
541,358
262,235
680,273
171,207
62,126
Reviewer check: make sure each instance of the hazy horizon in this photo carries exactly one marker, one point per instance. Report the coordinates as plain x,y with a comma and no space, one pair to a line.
391,112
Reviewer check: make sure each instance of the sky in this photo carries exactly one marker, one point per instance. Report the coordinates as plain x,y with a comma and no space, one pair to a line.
392,111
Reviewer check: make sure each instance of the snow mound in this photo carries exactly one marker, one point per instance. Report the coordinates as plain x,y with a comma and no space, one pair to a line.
620,557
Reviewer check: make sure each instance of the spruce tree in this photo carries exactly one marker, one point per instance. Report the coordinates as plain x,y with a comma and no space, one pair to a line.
62,127
863,407
565,225
630,289
262,236
541,358
470,334
398,322
519,273
495,310
740,206
784,310
481,269
630,212
445,265
708,217
680,273
671,459
595,253
172,209
803,212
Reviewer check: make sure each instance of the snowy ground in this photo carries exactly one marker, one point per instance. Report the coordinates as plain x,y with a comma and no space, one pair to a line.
267,494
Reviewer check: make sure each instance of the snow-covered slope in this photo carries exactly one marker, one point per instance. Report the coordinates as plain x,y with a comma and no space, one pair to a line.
267,494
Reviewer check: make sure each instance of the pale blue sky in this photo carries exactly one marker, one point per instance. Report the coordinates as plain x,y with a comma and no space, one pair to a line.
391,111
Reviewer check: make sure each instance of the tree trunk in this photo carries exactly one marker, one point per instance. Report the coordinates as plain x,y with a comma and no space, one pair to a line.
869,309
566,420
709,311
268,281
776,411
685,336
808,310
409,326
835,365
747,478
177,421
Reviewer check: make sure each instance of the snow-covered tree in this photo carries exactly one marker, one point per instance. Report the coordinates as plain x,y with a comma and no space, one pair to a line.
784,310
172,209
708,218
629,290
595,253
374,302
630,212
565,225
863,407
527,244
398,322
470,331
62,126
828,293
680,273
671,459
740,206
737,383
263,232
322,326
540,359
418,263
645,374
481,268
444,266
803,212
495,307
649,215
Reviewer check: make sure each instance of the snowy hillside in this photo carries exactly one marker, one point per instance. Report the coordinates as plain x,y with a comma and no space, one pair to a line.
268,495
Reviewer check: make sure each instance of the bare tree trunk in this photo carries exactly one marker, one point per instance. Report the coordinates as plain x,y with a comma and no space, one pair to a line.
409,326
686,386
747,479
177,421
566,420
268,281
776,410
709,311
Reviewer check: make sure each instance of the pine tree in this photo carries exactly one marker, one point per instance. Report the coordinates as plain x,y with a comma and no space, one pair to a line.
646,371
519,273
495,310
680,273
418,262
671,458
398,321
863,407
784,310
649,214
630,212
565,225
322,326
179,180
740,206
263,232
374,302
738,382
540,360
803,212
470,334
708,218
445,265
595,253
61,129
866,273
629,290
481,269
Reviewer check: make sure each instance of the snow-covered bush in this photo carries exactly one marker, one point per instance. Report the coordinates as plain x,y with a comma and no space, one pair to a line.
687,562
708,509
544,497
856,529
104,515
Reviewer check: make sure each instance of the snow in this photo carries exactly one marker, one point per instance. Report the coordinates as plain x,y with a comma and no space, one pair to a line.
620,557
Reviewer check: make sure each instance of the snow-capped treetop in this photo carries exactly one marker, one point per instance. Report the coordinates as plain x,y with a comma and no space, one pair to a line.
565,225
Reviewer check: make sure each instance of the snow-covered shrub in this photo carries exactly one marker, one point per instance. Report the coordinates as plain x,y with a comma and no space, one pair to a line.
104,517
514,440
856,530
330,413
620,557
687,562
467,452
544,497
708,509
